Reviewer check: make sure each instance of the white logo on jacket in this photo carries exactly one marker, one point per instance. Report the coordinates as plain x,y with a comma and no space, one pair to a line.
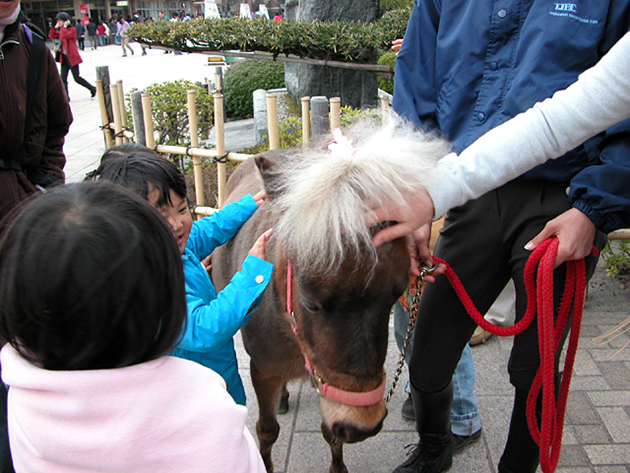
569,7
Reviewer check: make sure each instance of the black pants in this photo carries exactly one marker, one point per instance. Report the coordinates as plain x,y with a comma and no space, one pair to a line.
483,242
67,67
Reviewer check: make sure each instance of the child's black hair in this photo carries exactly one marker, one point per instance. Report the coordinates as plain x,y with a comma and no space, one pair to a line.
137,167
90,278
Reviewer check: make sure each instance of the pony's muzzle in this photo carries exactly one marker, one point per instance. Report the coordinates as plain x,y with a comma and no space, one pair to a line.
349,433
352,424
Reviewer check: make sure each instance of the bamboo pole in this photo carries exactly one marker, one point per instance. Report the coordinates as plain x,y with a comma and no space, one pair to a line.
621,234
204,211
107,131
123,114
116,110
335,113
272,121
306,122
148,121
202,153
220,140
194,142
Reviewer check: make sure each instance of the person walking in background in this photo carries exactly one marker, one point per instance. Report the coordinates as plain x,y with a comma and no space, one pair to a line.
137,18
69,56
175,18
113,29
92,34
123,26
458,49
102,34
80,35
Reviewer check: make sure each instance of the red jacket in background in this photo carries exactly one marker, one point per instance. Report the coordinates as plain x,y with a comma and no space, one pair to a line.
68,39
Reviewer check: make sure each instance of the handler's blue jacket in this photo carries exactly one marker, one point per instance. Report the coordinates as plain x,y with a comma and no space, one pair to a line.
467,66
213,319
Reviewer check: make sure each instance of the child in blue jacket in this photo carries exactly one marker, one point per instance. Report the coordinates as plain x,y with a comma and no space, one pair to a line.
213,319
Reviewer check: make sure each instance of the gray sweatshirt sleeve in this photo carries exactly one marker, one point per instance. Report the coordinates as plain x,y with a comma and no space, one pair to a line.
598,100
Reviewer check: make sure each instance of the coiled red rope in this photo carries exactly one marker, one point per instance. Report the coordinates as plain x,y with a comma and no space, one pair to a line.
539,268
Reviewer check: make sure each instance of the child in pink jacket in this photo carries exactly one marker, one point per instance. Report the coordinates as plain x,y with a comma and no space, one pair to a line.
91,299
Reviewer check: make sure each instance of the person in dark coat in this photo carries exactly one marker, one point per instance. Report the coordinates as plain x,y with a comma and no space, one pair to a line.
80,35
69,52
30,157
92,34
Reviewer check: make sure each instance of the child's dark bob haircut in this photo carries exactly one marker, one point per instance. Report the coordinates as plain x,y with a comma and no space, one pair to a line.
137,167
90,278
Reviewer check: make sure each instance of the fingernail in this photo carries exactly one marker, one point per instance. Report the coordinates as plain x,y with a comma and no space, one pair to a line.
529,246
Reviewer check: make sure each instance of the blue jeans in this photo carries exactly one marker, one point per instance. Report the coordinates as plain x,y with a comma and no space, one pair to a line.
465,418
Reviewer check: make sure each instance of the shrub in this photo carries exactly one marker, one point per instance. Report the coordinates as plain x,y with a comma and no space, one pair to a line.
389,5
169,110
243,78
387,59
393,25
331,40
616,257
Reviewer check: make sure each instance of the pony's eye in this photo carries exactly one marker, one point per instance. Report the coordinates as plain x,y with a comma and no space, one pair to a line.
311,306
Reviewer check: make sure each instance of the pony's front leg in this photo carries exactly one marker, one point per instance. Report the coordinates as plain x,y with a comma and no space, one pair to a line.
336,448
267,427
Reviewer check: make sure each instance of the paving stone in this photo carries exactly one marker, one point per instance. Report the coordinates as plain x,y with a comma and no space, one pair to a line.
573,455
608,454
617,423
616,374
584,365
612,469
589,434
609,398
580,410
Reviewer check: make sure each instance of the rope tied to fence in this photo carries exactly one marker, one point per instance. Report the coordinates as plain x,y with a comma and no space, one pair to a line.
106,126
539,269
188,151
221,159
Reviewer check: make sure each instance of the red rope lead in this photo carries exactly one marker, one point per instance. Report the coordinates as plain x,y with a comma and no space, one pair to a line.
540,264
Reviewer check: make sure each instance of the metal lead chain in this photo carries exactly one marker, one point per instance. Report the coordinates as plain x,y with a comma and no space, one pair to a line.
413,301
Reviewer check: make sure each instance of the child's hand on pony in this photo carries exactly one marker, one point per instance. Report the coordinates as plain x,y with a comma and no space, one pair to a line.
260,197
258,249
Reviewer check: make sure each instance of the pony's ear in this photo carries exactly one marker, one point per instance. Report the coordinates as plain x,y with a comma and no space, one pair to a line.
271,164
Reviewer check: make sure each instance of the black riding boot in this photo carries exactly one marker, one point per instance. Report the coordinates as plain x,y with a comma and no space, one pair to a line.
434,452
521,454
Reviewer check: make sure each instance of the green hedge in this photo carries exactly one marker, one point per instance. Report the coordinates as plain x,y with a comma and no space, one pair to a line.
336,40
387,59
243,78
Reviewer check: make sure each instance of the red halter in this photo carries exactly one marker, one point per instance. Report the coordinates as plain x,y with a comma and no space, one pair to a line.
350,398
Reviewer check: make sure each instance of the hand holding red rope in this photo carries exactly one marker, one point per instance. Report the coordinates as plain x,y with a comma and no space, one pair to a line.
548,435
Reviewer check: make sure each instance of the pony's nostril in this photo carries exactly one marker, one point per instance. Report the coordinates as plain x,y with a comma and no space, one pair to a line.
348,433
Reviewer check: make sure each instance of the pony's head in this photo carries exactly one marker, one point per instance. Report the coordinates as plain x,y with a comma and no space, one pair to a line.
343,286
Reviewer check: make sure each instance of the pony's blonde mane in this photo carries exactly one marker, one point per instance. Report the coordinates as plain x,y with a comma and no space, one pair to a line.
325,199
